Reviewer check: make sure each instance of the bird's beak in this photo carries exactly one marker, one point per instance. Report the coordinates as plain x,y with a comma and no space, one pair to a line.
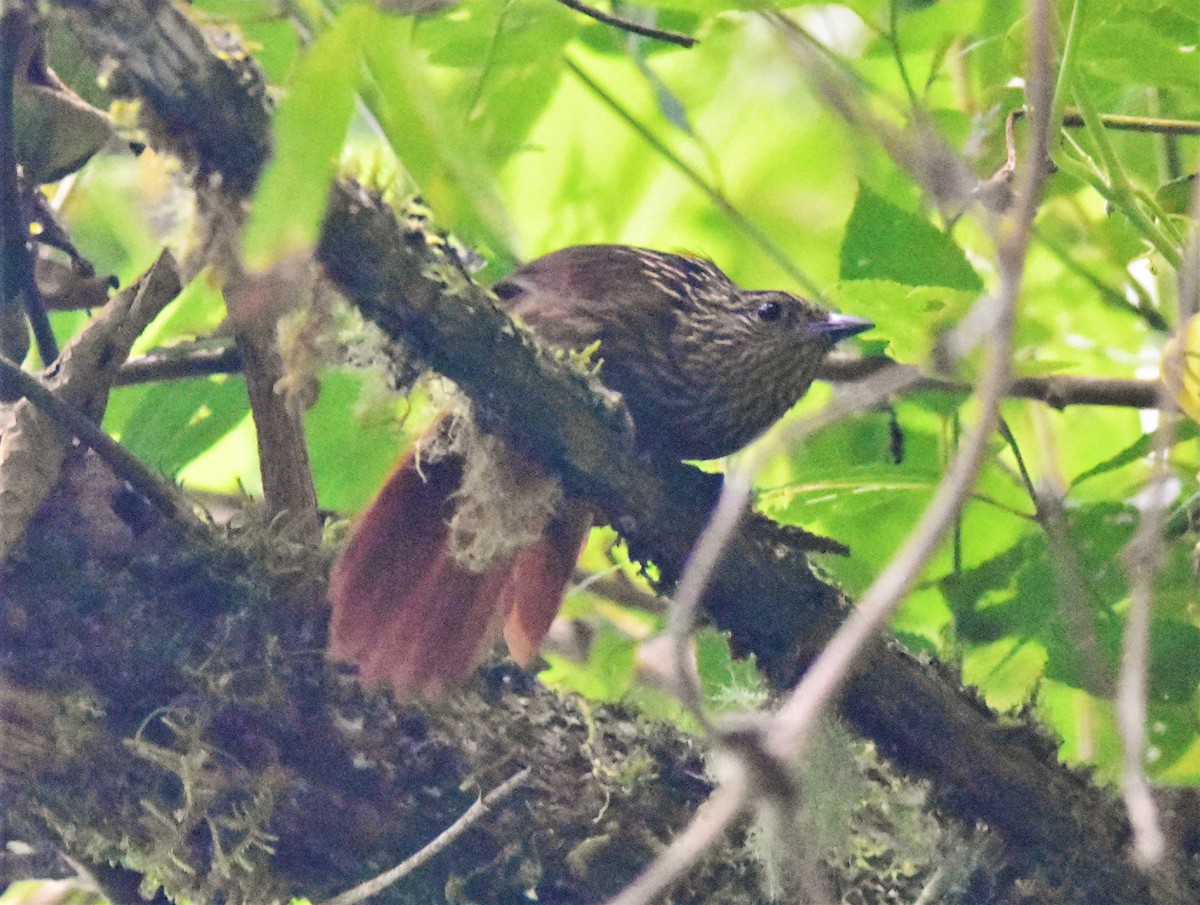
837,327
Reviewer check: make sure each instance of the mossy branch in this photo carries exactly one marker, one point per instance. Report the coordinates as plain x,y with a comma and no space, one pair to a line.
765,594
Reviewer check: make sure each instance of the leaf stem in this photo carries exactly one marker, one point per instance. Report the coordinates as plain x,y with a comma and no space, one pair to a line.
736,217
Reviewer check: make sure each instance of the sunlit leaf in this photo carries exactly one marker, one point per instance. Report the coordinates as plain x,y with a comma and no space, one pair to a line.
310,128
911,317
886,242
176,422
450,171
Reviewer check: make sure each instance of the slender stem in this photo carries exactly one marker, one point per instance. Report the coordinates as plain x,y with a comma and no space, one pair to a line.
714,194
894,42
19,288
443,840
725,806
646,31
1057,391
1119,190
1066,66
172,364
1153,124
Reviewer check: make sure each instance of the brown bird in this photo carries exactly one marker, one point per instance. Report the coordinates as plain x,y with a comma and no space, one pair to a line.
704,368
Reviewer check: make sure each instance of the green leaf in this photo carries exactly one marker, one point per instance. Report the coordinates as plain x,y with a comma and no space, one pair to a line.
885,242
1137,450
431,143
197,311
176,422
608,673
1175,197
310,129
1163,55
730,684
911,317
340,429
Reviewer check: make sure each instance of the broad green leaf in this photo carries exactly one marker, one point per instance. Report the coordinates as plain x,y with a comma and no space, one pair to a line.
342,430
885,242
730,684
843,483
1021,597
607,675
1007,671
310,129
1165,49
197,311
911,317
175,422
1176,196
431,143
1184,770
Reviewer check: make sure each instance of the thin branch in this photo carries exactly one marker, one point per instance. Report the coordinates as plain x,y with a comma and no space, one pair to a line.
175,363
792,723
1073,118
442,841
19,297
701,564
123,463
619,589
1057,391
646,31
1144,558
714,817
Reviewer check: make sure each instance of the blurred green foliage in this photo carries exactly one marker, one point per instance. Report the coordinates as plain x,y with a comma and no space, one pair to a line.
527,127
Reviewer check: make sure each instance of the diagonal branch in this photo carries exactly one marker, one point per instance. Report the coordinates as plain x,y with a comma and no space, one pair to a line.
764,592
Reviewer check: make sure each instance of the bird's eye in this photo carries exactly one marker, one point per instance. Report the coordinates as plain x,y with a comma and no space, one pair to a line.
768,310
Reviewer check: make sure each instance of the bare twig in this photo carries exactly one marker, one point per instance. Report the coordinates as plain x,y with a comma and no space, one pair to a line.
31,452
1144,558
791,725
1074,118
443,840
123,463
19,296
646,31
726,805
703,561
176,363
1057,391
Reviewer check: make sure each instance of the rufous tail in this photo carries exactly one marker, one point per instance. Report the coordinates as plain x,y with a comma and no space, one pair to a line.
409,616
